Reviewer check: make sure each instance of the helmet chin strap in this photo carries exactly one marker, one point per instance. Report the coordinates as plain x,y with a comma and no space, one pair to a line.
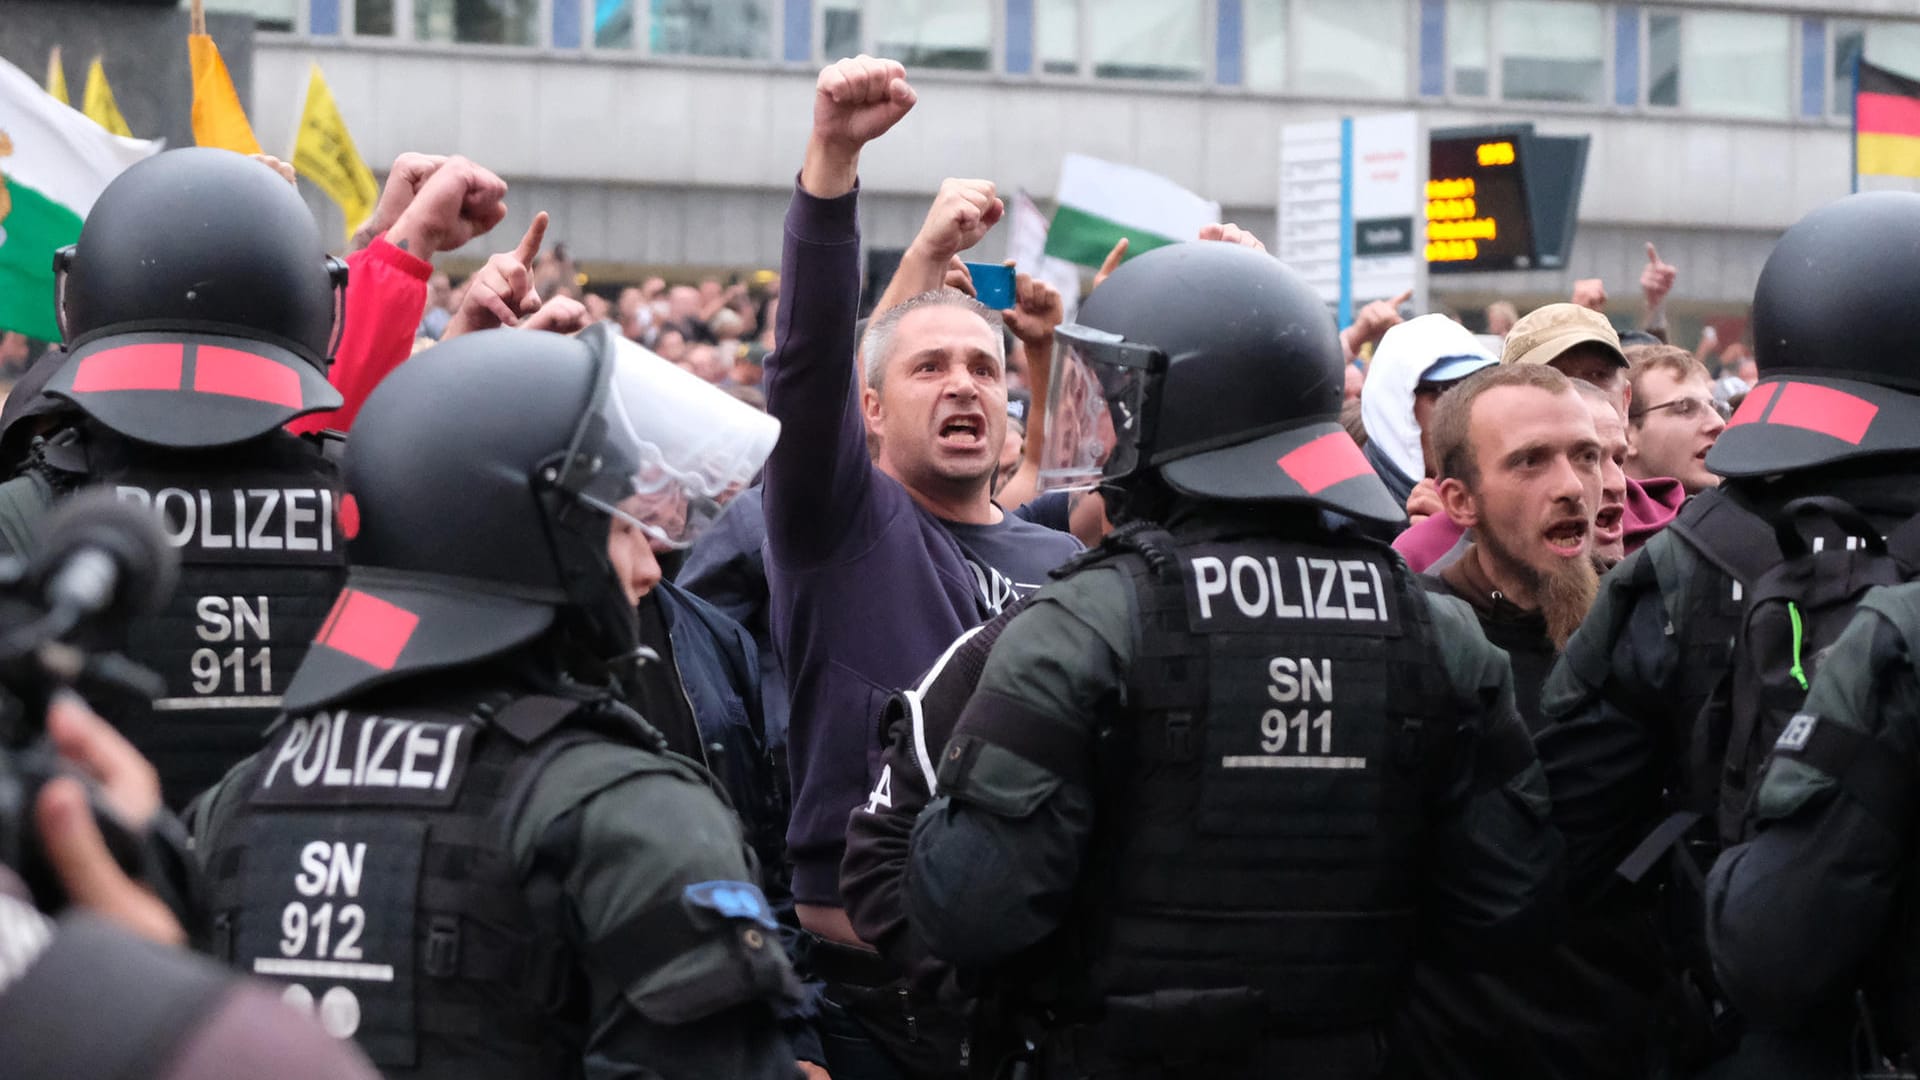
598,602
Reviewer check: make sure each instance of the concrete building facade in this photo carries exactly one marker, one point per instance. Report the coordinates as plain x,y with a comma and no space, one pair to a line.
664,134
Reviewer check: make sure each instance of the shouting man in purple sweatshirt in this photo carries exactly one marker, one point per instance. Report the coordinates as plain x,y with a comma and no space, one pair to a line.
875,562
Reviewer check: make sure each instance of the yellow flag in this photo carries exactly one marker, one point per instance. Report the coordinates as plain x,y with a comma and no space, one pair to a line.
324,153
218,119
97,101
57,77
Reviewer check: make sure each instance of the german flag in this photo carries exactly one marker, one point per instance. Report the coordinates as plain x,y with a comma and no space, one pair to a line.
1886,124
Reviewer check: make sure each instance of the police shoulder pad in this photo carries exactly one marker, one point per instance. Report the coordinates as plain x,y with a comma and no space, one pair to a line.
728,900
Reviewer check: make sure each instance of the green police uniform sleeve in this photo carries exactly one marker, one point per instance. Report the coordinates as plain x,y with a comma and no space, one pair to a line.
1482,677
1474,665
1623,653
1866,685
1494,857
1055,667
656,871
24,502
210,811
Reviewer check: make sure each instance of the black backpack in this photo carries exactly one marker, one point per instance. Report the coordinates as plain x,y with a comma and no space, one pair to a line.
1793,612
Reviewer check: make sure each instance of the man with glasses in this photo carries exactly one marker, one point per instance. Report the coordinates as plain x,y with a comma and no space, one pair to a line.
1675,419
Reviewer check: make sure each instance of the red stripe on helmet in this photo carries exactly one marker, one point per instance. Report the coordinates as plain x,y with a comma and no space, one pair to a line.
369,629
243,374
1825,410
130,367
1324,462
1755,405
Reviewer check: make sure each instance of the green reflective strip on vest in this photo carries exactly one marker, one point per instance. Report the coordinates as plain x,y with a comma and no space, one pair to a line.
1799,671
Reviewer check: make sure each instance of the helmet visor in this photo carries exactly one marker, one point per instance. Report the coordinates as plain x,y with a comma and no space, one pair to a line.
1096,419
660,447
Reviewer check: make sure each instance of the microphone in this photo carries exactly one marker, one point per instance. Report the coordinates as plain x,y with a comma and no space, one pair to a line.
104,557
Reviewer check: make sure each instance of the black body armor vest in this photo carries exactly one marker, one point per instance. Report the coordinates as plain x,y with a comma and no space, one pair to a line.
261,530
1263,792
367,866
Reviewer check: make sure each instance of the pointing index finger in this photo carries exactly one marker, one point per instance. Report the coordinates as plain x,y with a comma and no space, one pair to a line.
1653,256
529,248
1402,298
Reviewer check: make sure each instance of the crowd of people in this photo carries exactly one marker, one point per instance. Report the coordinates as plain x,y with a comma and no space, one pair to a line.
740,679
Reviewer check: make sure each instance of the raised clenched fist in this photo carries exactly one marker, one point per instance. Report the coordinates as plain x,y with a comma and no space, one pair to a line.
961,215
856,101
457,201
1038,308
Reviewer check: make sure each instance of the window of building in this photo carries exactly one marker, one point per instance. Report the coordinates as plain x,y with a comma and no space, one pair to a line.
1351,48
480,22
1663,60
267,14
1056,36
735,28
612,24
1848,38
1894,46
1266,44
1149,39
373,18
1469,51
954,34
1738,64
841,34
1552,51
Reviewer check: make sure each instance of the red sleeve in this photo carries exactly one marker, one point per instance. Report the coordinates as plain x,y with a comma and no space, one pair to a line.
386,294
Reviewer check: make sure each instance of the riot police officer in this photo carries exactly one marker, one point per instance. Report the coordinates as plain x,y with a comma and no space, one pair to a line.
199,310
460,847
1810,923
1224,783
1648,775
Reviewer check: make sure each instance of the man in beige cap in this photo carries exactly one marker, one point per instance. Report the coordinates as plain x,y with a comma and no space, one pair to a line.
1581,344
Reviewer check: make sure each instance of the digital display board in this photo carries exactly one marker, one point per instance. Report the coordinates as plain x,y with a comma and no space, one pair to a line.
1478,217
1502,198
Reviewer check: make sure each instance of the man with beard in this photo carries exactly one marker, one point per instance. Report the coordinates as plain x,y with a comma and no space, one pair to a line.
1520,465
1528,459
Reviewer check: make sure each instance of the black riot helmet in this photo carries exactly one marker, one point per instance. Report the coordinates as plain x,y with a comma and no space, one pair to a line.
1836,341
481,479
1216,368
199,307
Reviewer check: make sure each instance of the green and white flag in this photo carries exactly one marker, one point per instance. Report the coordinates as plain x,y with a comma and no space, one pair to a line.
54,162
1100,202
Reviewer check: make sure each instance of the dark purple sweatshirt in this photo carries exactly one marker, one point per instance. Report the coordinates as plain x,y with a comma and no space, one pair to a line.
867,588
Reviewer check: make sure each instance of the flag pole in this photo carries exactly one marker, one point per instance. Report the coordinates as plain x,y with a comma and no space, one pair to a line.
1854,146
198,20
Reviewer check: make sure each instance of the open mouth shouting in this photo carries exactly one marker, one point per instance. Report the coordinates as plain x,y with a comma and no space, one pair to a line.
965,432
1567,537
1609,525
